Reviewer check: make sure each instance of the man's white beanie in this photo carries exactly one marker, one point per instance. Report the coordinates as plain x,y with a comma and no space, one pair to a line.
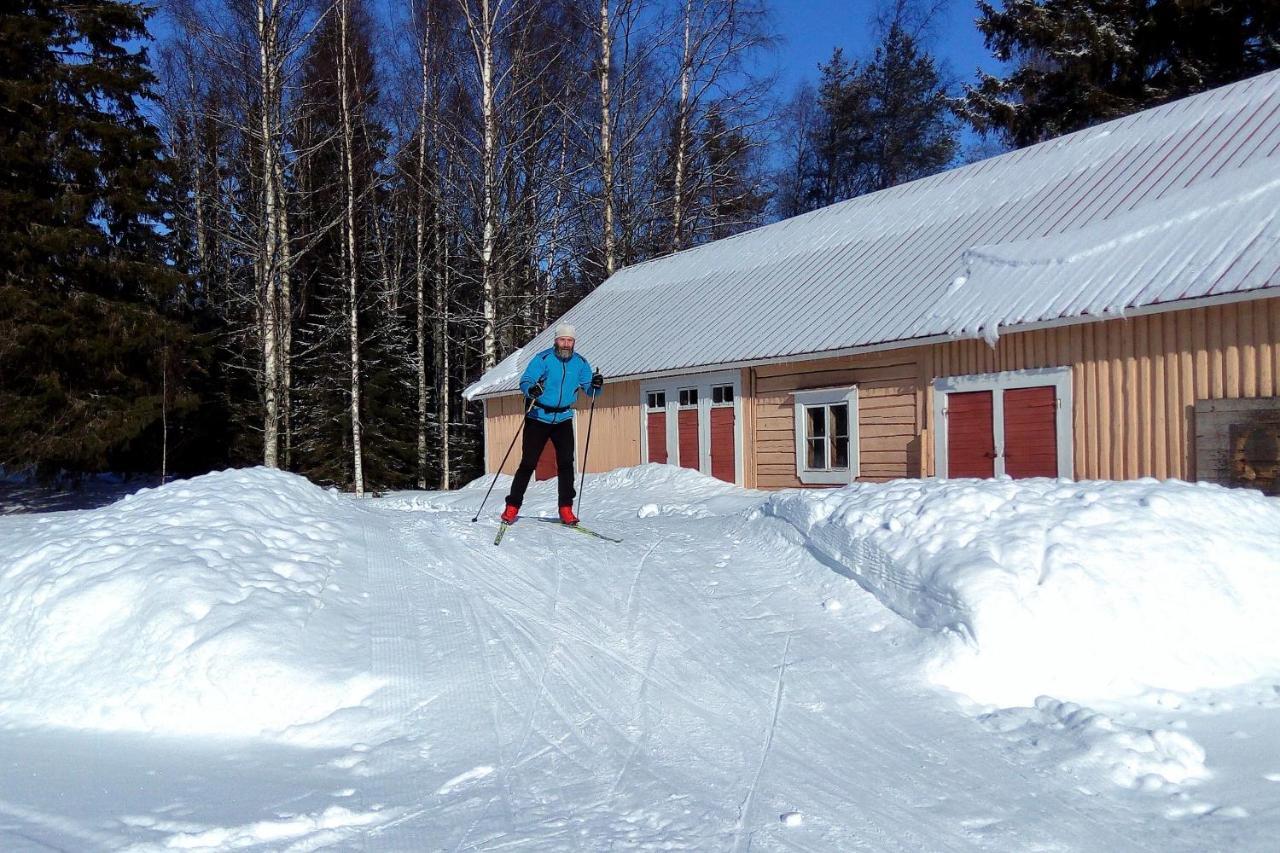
566,330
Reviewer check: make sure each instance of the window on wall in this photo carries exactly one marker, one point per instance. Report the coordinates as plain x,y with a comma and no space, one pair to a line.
722,395
827,439
826,435
688,396
657,399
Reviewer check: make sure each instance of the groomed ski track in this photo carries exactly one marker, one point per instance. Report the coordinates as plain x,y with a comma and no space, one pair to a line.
681,690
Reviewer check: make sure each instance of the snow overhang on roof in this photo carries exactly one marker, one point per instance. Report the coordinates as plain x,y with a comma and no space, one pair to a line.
1171,204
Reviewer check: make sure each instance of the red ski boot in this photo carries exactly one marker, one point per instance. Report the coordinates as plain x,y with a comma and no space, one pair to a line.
510,514
567,516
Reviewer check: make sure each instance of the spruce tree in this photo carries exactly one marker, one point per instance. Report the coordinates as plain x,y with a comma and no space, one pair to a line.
879,123
1080,62
733,199
843,136
88,357
914,132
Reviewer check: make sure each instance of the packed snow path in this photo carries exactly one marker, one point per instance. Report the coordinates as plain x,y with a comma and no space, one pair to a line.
708,684
683,690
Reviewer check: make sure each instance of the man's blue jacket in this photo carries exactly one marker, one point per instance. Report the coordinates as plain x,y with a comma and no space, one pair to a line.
561,380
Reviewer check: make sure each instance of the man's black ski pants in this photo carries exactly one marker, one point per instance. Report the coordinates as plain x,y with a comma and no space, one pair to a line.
536,433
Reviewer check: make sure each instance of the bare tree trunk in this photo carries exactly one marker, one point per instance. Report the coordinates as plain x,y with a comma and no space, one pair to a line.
164,415
443,343
266,266
284,318
606,139
197,156
420,262
554,236
489,158
682,131
349,225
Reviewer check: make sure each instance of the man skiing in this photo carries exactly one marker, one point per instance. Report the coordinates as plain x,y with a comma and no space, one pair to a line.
552,381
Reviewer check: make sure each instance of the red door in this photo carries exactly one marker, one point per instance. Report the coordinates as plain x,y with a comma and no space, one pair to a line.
723,465
657,427
546,469
1031,432
971,444
687,431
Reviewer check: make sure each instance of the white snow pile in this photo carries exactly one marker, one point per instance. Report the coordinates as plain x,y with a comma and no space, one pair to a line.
1090,590
655,490
1084,741
211,606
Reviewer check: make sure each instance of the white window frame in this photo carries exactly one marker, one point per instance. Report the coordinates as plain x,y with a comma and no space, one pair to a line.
997,384
703,382
826,397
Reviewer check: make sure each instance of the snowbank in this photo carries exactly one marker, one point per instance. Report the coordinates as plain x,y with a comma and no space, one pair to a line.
650,489
1089,590
197,607
1082,740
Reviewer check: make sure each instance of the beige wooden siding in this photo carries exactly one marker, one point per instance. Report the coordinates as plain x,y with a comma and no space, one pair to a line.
1134,384
615,434
1135,381
502,419
888,410
749,474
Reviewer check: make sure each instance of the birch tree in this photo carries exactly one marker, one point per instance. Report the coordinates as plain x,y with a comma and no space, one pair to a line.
721,43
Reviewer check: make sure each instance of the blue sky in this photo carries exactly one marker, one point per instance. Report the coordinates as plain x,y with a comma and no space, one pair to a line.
812,28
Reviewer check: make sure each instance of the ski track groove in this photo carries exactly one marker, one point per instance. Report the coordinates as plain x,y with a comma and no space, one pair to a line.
399,590
519,609
744,811
495,695
629,607
642,711
914,807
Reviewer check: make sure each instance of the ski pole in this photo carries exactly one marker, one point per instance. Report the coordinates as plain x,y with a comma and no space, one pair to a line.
585,450
503,463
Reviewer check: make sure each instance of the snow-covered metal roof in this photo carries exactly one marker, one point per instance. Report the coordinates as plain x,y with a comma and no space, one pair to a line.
1174,203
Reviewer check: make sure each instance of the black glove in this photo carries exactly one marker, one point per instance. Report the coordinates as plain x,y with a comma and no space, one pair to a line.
536,389
597,381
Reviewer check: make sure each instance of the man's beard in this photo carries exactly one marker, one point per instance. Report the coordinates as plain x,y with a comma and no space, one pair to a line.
563,352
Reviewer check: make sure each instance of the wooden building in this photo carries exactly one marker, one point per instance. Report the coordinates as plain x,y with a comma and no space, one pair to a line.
1103,305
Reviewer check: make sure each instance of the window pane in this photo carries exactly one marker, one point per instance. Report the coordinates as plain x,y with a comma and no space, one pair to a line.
816,457
840,420
817,421
728,393
717,394
840,452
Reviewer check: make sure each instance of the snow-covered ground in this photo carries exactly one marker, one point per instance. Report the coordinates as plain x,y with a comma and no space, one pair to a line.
246,661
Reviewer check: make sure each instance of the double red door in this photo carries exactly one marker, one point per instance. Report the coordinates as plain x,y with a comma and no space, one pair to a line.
703,416
1028,425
